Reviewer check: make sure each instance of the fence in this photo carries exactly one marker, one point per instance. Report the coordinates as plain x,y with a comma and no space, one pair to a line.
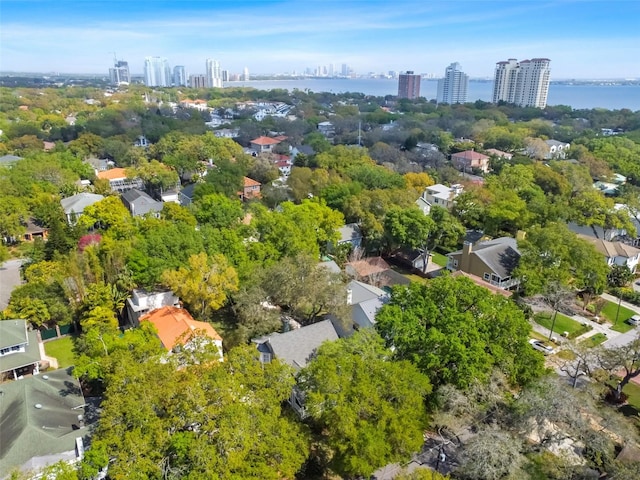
58,331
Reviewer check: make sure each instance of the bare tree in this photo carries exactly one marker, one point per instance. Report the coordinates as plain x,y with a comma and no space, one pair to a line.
491,455
621,362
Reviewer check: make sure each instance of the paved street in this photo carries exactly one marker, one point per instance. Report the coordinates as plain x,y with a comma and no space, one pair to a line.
9,279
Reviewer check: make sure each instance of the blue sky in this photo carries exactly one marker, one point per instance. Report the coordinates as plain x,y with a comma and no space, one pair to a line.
583,39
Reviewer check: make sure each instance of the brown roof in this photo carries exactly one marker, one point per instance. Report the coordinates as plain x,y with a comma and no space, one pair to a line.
481,283
250,182
265,141
113,174
470,155
176,326
369,266
611,249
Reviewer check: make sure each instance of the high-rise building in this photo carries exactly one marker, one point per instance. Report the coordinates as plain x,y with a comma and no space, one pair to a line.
345,70
409,85
453,87
157,72
179,76
119,73
198,81
245,74
525,84
214,74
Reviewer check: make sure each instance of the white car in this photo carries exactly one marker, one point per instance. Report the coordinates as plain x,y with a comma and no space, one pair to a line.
541,346
635,320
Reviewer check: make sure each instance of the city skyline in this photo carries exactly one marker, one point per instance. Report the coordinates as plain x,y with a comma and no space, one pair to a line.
586,39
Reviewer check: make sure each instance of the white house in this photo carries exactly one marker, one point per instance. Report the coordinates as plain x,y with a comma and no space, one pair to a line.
440,195
616,253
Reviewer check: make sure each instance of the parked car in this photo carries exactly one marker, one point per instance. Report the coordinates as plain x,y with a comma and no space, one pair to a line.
635,320
541,346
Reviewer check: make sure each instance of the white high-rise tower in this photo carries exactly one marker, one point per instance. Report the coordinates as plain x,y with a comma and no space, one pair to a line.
526,83
453,87
157,72
214,74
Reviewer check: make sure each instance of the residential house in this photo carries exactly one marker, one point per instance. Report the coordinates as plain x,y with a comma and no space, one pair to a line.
142,302
413,259
19,351
100,164
327,129
374,271
186,194
492,260
295,348
365,301
440,195
469,160
35,230
75,205
499,153
350,234
556,149
118,180
250,189
44,419
227,133
615,253
284,166
264,144
140,203
142,142
176,328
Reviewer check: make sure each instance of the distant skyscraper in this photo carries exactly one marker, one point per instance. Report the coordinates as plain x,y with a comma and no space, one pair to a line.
345,70
119,73
214,75
245,74
453,87
525,84
225,76
198,81
157,72
409,85
179,76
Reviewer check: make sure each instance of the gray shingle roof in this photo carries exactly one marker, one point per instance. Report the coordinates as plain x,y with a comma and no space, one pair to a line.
12,332
140,203
27,431
296,346
501,255
77,203
15,360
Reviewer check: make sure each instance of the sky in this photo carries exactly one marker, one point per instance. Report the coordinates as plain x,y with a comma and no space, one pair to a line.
584,39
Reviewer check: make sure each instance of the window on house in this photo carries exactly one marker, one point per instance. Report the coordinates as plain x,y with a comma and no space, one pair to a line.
487,276
265,357
455,262
495,278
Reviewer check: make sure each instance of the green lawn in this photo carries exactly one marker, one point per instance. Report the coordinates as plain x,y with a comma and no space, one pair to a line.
595,340
562,324
439,259
62,350
610,311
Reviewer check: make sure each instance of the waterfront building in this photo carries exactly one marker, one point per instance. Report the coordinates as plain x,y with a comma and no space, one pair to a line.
409,85
453,87
198,81
524,83
179,76
245,74
157,72
213,74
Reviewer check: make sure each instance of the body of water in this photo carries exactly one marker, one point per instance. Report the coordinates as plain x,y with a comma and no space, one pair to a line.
612,97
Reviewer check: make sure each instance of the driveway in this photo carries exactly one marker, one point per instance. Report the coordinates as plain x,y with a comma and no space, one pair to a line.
9,279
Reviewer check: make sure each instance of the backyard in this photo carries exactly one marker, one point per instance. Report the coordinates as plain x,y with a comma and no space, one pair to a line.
62,350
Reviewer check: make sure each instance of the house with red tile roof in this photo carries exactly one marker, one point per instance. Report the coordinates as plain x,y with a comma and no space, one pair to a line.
264,144
176,327
250,189
470,159
118,180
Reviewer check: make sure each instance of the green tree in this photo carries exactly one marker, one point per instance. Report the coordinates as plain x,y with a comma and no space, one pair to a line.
205,284
213,420
367,408
457,332
218,210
